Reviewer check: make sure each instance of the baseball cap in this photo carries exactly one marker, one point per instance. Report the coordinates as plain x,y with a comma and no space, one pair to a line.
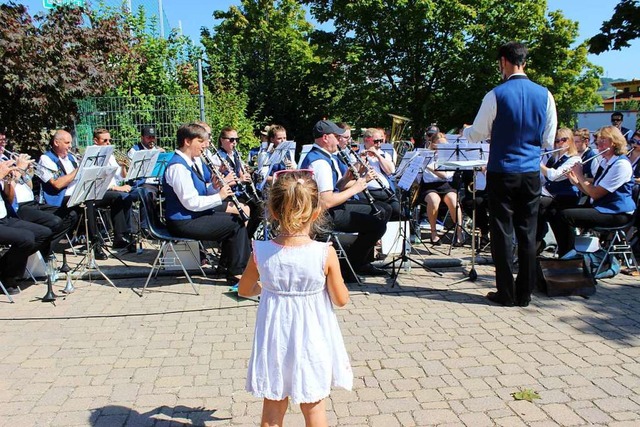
432,130
325,127
149,131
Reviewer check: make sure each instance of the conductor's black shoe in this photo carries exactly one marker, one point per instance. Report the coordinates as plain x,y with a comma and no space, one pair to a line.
370,270
99,254
498,299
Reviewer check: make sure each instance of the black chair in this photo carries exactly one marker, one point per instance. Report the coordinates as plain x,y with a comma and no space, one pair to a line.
157,230
617,243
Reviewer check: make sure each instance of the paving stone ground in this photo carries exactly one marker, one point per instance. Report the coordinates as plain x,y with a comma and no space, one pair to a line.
425,352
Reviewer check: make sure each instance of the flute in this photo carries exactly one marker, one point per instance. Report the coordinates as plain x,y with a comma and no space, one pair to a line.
582,162
214,170
544,153
345,158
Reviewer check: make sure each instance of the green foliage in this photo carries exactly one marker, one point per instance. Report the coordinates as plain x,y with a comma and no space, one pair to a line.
616,33
525,394
434,60
261,50
47,61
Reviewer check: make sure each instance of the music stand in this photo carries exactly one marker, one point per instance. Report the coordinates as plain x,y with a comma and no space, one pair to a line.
143,163
474,159
409,175
278,156
92,185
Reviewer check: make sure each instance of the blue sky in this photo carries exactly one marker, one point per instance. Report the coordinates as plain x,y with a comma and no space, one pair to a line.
194,14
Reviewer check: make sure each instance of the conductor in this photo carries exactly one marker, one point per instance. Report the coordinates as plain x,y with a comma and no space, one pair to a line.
519,117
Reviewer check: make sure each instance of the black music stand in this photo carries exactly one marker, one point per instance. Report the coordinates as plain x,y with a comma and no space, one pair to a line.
143,164
409,175
91,186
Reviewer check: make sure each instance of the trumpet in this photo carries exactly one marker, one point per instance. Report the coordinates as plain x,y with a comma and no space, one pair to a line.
214,170
19,175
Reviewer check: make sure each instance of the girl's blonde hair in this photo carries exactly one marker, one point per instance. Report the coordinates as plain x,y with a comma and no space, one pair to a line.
293,201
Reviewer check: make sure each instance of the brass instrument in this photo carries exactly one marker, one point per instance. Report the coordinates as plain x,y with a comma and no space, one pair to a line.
345,158
214,170
398,126
252,187
122,158
20,176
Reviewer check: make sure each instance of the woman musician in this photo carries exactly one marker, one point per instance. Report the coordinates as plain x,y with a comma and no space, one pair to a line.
558,192
382,165
275,136
436,187
611,203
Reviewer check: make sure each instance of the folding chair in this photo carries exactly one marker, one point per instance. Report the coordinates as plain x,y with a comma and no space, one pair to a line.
334,236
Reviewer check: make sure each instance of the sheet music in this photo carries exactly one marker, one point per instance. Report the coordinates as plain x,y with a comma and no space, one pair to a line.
94,155
453,138
415,167
92,185
142,164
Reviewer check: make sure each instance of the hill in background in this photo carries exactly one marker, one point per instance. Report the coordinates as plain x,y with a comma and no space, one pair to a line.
606,90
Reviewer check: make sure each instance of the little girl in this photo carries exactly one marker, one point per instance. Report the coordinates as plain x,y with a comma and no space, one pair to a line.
298,351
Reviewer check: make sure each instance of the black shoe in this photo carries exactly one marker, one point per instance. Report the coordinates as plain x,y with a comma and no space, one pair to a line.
498,299
121,243
99,254
349,277
436,242
523,303
370,270
12,290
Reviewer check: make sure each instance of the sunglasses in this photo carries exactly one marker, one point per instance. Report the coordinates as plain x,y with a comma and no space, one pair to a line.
560,140
616,120
231,139
636,141
378,141
307,172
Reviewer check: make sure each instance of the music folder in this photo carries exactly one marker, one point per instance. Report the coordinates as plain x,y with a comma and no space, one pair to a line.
92,185
142,164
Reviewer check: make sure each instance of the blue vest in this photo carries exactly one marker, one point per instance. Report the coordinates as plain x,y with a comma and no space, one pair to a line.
316,154
341,165
516,134
52,196
562,187
586,167
174,209
619,201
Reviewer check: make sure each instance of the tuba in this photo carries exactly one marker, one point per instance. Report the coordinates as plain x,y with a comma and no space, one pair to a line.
398,126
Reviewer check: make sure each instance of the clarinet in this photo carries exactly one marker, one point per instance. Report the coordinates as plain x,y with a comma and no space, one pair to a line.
214,170
387,190
227,165
345,158
253,193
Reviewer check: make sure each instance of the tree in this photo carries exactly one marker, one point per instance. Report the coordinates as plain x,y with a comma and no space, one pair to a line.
623,27
261,49
434,60
47,61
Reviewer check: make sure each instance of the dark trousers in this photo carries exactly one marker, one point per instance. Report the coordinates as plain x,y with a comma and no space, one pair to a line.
550,209
482,209
42,215
25,239
513,203
381,196
587,218
221,227
357,217
69,216
119,205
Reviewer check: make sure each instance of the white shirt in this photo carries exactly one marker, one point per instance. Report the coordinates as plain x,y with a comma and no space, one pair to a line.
51,166
3,207
559,174
375,165
481,128
179,178
619,174
322,172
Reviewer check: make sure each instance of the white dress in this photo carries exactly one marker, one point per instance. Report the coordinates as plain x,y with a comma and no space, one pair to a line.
298,349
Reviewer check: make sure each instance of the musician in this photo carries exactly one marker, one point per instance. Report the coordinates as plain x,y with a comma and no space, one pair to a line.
190,203
147,142
582,138
616,120
519,117
611,203
59,181
277,134
634,156
382,165
558,192
117,198
26,207
335,191
437,187
24,237
227,143
345,142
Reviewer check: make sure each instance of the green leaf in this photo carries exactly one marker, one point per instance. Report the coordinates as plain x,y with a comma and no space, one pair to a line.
525,394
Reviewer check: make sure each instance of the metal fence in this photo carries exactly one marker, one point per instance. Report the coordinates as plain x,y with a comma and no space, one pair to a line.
124,117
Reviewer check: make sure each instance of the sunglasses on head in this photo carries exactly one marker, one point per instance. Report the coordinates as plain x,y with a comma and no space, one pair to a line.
561,140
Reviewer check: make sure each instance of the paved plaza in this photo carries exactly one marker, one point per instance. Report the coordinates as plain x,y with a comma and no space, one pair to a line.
426,352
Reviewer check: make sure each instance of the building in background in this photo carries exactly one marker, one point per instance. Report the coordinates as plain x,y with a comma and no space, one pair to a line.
623,92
